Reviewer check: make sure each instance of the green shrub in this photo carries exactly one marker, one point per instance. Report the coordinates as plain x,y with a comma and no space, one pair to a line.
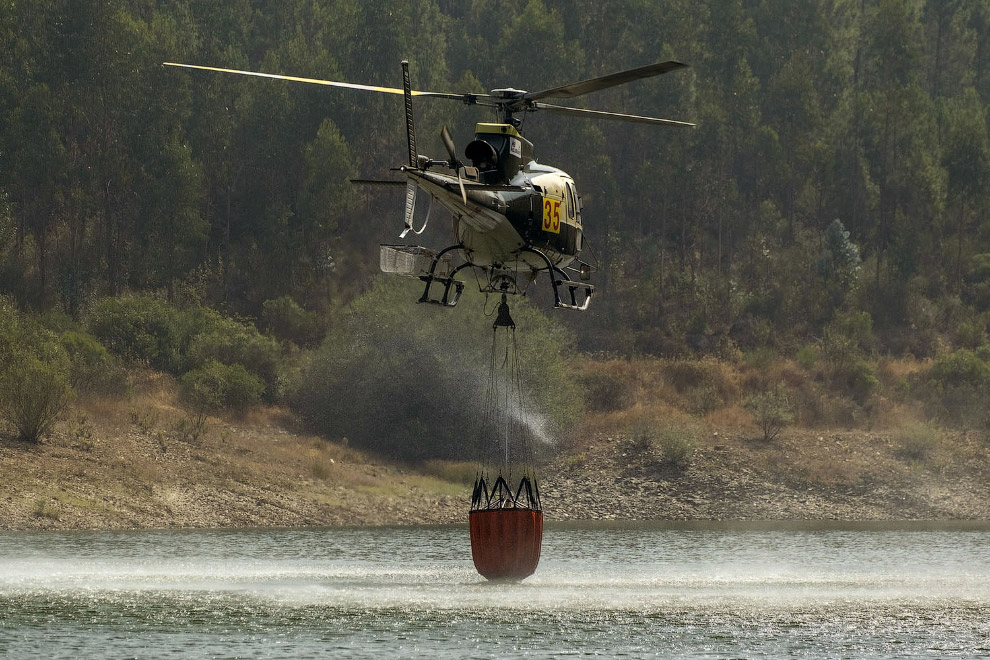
232,342
968,333
761,357
857,379
978,269
285,319
674,442
34,378
148,330
607,390
954,389
806,356
92,368
34,393
856,326
962,367
409,381
140,329
773,412
917,442
216,386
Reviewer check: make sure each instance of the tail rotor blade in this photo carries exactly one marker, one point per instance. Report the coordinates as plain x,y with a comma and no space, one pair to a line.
448,142
460,182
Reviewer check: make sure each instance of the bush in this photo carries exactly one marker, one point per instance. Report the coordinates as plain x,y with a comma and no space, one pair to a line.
976,291
954,389
146,329
607,389
409,381
806,356
216,386
289,322
674,442
705,385
140,329
33,393
92,368
773,412
34,380
962,367
231,342
917,442
857,379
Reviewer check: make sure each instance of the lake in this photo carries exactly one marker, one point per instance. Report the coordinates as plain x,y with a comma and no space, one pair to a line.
702,590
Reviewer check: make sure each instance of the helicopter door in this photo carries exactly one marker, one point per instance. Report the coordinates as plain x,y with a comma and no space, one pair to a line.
571,206
573,237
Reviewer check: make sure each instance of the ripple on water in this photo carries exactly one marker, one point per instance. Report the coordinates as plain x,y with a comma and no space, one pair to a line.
635,592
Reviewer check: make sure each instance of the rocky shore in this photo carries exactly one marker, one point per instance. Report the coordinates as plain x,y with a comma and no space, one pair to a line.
126,475
804,475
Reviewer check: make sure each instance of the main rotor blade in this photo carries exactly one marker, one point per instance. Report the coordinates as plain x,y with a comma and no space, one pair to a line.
382,183
466,98
598,114
604,82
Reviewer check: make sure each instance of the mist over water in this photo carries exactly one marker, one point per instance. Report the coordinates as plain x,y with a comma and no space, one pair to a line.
706,591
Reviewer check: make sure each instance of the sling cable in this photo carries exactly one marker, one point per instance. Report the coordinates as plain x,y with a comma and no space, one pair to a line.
506,517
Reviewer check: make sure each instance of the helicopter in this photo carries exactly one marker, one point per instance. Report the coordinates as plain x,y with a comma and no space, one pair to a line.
512,217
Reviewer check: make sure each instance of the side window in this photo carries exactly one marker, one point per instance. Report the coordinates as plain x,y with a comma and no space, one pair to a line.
571,202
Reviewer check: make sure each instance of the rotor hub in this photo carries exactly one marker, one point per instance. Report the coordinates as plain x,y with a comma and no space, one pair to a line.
508,93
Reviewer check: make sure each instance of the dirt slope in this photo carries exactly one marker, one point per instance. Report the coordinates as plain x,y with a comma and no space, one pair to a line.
133,466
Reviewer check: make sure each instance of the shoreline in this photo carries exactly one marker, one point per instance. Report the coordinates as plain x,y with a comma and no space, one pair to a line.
247,477
134,465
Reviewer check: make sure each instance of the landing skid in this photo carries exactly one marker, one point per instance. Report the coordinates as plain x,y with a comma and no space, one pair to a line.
453,288
448,281
572,286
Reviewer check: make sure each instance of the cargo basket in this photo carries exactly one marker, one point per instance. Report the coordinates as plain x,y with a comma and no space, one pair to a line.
412,261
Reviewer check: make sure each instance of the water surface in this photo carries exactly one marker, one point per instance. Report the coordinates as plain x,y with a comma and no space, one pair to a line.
657,590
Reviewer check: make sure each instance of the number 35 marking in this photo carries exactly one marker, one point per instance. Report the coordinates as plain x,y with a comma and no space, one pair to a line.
551,215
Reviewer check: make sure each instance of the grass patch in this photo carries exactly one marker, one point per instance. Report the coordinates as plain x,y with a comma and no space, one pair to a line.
323,469
609,387
917,442
48,508
455,472
673,441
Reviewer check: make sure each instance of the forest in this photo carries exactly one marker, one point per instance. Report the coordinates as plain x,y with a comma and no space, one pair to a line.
833,194
119,175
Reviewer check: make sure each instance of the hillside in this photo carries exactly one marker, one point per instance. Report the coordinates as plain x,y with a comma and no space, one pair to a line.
839,164
137,463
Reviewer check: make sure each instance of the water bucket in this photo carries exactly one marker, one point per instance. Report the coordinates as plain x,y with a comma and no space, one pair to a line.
506,543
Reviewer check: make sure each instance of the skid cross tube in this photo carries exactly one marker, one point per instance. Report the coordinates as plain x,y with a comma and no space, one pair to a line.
555,283
431,277
572,287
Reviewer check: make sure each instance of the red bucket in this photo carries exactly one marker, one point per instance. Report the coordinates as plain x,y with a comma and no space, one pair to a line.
505,543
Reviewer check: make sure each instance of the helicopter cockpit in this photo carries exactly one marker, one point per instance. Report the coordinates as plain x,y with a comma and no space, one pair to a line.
483,154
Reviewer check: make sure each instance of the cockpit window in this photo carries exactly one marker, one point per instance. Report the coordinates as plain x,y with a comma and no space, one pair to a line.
499,144
571,202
